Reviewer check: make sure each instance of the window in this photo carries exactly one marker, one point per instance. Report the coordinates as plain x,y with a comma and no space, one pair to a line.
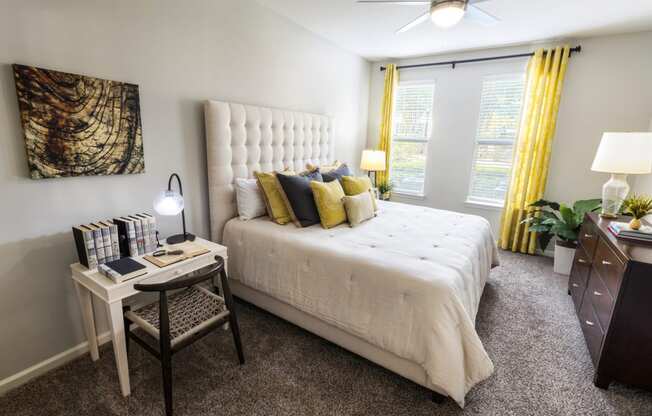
500,112
411,132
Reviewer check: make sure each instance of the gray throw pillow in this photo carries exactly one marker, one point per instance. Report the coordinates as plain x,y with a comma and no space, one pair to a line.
337,174
298,197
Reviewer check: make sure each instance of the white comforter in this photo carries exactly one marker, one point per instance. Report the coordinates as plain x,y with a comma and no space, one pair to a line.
408,281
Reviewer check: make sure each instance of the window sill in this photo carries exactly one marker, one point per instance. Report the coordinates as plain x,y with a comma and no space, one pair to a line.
484,205
408,195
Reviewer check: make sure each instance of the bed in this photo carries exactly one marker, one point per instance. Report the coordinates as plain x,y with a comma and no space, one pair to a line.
401,290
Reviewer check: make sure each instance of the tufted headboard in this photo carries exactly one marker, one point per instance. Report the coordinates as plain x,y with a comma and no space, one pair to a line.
241,139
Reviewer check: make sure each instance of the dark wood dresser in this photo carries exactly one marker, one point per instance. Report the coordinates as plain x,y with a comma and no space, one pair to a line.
611,287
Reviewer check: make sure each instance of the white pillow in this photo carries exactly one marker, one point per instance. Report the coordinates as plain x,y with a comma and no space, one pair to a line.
249,199
359,208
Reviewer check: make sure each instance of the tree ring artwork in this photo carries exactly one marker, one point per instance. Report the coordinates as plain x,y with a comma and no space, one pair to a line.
77,125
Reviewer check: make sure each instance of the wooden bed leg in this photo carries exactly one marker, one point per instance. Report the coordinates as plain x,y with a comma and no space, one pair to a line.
438,398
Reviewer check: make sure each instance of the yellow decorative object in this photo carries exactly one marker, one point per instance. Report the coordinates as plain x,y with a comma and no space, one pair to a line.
353,185
274,202
391,82
544,82
328,198
638,206
323,168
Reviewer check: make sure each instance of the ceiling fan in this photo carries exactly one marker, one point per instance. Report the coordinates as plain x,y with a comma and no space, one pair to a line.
444,13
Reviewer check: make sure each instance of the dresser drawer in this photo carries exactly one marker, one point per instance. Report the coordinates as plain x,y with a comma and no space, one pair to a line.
608,266
602,301
591,329
579,276
589,238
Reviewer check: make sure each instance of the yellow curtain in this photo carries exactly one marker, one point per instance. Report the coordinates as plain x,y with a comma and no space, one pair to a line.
544,82
385,144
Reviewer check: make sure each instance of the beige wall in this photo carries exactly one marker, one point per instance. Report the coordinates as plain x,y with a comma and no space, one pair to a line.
180,53
643,184
608,88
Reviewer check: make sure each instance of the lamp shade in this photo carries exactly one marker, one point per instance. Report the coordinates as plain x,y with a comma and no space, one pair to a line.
168,203
373,160
624,153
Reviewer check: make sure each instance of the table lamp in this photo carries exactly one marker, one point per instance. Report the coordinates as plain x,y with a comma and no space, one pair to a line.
621,154
373,161
171,203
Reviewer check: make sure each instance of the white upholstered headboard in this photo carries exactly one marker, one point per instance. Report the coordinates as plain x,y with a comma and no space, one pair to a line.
241,139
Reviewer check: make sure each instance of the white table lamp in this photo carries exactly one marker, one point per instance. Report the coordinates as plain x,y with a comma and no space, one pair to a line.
373,161
621,154
169,202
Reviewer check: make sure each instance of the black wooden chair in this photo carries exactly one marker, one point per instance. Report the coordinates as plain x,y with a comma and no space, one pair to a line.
179,319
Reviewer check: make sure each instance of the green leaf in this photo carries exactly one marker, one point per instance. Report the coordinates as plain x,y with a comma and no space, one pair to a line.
549,214
551,221
565,232
544,203
568,216
544,240
584,206
539,228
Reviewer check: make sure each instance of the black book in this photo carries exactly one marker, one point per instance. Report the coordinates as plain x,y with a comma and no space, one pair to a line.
123,236
124,269
85,246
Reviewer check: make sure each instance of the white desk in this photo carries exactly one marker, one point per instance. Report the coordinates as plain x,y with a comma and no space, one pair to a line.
91,282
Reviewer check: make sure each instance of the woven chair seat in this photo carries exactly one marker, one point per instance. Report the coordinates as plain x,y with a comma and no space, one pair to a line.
190,310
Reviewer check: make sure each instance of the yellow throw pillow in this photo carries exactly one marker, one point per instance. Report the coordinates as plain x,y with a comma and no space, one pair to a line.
328,198
354,185
274,202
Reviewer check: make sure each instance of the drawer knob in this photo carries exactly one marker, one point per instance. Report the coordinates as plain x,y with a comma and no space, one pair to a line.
596,293
606,263
589,323
588,236
581,261
575,285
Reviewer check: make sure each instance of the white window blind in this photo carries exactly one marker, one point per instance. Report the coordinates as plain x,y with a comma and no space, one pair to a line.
410,135
500,112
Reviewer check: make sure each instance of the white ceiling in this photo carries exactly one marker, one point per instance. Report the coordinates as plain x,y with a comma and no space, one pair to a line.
368,30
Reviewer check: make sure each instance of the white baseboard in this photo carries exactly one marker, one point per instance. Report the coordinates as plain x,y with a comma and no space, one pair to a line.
51,363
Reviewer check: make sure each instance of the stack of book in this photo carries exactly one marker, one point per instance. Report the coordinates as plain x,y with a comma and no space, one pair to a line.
105,241
622,230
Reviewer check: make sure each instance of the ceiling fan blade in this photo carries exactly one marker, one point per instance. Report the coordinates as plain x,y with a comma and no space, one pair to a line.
415,22
477,15
402,3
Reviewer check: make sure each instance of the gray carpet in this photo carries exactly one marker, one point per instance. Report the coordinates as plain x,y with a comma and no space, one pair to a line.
526,322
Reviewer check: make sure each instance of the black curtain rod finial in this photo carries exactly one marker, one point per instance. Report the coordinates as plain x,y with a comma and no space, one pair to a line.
454,63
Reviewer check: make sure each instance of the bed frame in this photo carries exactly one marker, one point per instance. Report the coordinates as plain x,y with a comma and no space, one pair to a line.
241,139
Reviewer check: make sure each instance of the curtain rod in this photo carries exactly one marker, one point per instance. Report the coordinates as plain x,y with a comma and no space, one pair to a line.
576,49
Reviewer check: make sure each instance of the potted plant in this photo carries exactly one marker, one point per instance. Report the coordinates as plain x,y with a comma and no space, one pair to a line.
552,219
638,206
385,190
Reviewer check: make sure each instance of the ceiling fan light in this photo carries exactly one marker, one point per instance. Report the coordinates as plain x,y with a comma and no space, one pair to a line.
447,13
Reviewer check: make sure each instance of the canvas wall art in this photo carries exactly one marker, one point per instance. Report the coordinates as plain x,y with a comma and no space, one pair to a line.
77,125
